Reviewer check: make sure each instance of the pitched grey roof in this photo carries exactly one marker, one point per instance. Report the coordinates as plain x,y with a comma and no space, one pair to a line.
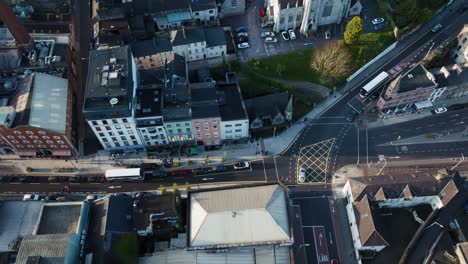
150,47
199,5
160,6
268,105
231,104
204,100
186,36
43,245
242,216
215,36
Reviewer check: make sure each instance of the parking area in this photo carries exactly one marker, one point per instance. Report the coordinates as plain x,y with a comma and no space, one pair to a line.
316,230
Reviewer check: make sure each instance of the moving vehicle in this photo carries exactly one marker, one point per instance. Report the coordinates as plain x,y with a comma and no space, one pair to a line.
134,174
243,45
440,110
292,35
377,20
242,34
267,34
241,29
302,174
285,35
436,28
271,40
242,165
327,34
31,197
377,82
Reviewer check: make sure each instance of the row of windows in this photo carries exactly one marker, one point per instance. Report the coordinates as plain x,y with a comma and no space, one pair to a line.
41,146
178,125
206,127
237,130
122,138
179,130
117,144
28,132
237,125
105,122
216,135
37,141
32,137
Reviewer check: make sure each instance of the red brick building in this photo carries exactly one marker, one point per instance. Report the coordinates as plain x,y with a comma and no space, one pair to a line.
37,120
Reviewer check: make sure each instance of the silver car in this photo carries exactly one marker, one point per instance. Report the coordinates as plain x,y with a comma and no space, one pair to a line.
271,40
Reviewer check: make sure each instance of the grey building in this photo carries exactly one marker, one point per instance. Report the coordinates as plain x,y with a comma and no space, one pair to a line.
272,110
109,105
232,7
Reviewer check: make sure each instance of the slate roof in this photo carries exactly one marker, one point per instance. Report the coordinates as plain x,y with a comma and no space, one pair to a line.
199,5
231,104
365,223
204,100
451,75
160,6
215,36
241,216
192,35
144,206
268,105
52,246
414,79
150,47
119,217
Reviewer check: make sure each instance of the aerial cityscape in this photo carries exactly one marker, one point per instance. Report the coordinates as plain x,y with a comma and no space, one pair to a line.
234,131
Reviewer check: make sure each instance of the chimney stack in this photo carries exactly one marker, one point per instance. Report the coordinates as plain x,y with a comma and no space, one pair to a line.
14,26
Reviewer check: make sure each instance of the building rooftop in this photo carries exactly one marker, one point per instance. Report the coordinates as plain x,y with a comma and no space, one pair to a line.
150,47
161,206
204,100
231,104
268,105
17,219
418,77
199,5
186,36
260,255
462,253
368,233
149,101
215,36
49,103
109,80
10,58
5,115
161,6
50,247
8,85
238,217
451,75
59,218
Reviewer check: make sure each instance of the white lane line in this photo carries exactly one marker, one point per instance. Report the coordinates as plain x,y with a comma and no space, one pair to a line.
264,170
276,168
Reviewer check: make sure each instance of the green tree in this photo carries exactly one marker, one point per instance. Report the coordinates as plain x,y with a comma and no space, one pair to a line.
162,189
424,15
175,187
280,68
407,12
353,30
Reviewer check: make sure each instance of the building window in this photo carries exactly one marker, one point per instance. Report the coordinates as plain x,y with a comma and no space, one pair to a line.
238,130
56,137
101,134
29,132
227,125
33,137
234,3
26,141
211,11
188,130
196,14
17,132
179,130
41,133
94,123
38,141
45,137
41,146
15,142
19,146
127,126
98,129
20,137
104,122
11,137
207,128
30,146
238,125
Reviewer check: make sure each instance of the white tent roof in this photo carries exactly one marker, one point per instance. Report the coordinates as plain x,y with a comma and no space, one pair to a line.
49,103
236,217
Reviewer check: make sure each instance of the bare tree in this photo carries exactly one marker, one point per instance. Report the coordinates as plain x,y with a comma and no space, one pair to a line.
331,60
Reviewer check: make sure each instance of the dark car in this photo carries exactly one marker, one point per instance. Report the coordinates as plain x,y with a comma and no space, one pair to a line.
199,171
93,179
6,178
351,116
242,39
179,173
457,107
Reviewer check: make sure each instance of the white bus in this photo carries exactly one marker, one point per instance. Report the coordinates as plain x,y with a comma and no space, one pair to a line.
374,84
134,174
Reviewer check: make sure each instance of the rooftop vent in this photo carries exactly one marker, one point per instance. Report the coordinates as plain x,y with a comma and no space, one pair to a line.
410,76
113,60
114,101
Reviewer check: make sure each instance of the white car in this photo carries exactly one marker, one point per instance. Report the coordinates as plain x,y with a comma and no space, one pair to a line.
31,197
267,34
242,165
271,40
243,45
302,175
292,35
440,110
266,24
242,34
378,20
285,35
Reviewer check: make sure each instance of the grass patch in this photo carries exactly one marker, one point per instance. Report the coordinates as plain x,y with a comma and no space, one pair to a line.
429,135
370,45
127,248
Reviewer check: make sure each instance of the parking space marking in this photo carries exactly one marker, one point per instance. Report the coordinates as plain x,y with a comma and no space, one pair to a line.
314,159
321,248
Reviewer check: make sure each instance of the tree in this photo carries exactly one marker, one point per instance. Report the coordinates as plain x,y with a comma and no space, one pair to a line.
424,15
28,169
224,157
353,30
280,68
162,189
407,11
332,60
175,187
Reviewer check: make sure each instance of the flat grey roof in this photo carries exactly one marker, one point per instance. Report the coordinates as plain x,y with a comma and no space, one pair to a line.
17,218
215,37
59,218
49,246
49,103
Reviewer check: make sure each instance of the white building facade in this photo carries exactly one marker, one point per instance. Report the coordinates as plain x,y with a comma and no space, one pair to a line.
118,132
460,53
234,129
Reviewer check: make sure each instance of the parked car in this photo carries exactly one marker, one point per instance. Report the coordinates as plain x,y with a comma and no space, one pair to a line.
179,173
6,178
267,34
327,34
285,35
52,179
440,110
436,28
199,171
292,35
351,116
271,40
31,197
91,197
457,106
378,20
221,168
242,165
243,45
242,39
241,29
242,34
266,24
302,174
